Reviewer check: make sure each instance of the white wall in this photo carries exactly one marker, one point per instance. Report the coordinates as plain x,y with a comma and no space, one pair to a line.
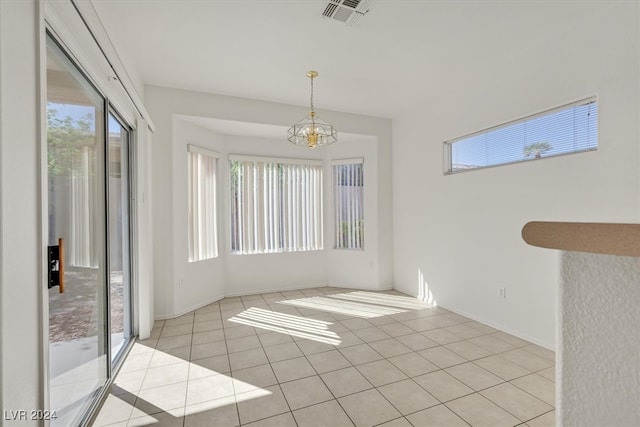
203,281
462,232
359,268
21,252
196,284
245,274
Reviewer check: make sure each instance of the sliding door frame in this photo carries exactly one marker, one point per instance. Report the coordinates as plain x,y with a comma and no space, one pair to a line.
111,110
47,31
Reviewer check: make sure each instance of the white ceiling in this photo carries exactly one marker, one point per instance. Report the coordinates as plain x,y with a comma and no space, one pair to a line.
399,56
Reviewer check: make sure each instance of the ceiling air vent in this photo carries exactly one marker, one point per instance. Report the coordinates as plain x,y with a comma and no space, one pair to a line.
347,11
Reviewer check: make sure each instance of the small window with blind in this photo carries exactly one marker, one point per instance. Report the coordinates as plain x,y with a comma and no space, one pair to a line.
202,234
348,202
572,128
276,205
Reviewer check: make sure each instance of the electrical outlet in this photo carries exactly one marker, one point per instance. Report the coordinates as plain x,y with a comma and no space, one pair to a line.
502,292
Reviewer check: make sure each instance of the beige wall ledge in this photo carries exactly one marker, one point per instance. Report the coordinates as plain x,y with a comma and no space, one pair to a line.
597,238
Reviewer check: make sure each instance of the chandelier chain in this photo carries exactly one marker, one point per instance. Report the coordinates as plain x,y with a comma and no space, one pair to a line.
312,94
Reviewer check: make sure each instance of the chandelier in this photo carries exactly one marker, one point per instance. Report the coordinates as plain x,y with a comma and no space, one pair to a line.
312,131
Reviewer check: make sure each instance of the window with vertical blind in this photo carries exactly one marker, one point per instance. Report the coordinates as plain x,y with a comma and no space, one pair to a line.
348,203
202,232
572,128
276,205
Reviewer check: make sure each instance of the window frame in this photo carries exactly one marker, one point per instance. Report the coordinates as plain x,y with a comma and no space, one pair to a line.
448,145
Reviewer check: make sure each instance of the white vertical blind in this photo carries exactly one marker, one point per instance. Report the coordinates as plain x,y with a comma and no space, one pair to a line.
348,194
202,228
276,205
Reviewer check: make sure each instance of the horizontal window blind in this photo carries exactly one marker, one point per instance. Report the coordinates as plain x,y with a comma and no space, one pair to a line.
348,195
275,206
568,129
202,224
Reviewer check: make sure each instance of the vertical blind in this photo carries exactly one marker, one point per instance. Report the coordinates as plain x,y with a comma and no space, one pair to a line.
202,170
276,205
348,191
571,128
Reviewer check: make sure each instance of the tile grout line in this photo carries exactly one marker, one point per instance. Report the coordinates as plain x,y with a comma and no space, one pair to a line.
355,367
323,382
269,363
233,385
307,314
416,352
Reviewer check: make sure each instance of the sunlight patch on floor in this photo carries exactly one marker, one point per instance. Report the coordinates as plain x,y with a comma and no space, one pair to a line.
397,301
361,304
332,304
297,326
161,402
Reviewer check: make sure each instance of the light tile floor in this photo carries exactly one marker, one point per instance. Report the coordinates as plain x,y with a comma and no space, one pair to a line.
330,357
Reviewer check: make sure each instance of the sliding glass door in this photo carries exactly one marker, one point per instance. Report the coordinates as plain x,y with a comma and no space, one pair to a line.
78,363
88,283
